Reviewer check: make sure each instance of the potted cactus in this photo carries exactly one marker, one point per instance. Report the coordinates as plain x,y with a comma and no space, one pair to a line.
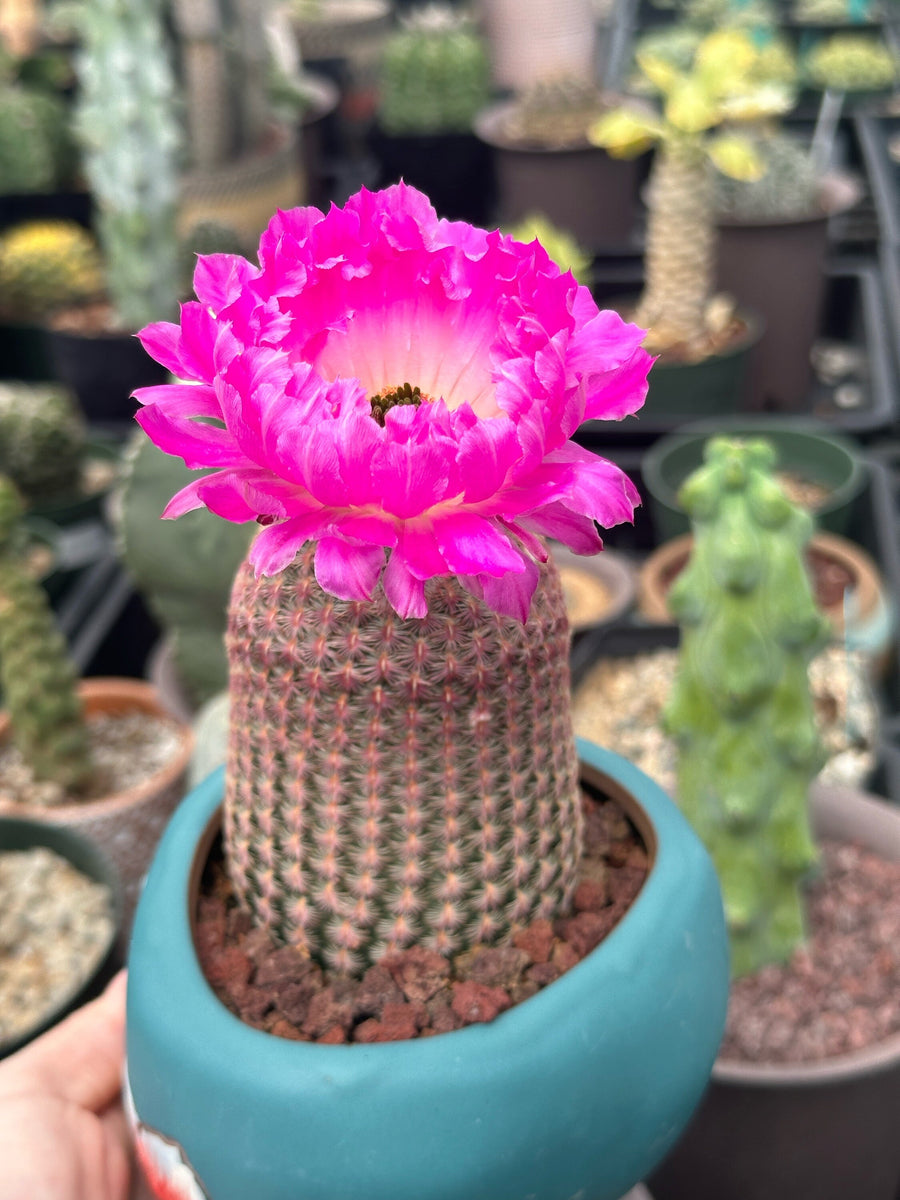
434,80
703,340
398,675
44,265
58,772
125,121
862,65
742,716
546,164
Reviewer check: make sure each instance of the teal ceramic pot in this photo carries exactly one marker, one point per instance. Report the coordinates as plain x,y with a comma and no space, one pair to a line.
577,1092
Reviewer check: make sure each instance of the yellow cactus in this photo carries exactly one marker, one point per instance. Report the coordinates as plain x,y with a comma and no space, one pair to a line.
46,265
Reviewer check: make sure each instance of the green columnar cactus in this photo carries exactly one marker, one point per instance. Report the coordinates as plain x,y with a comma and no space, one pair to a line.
851,62
35,148
722,87
42,439
37,678
183,568
741,710
395,780
46,265
435,75
126,121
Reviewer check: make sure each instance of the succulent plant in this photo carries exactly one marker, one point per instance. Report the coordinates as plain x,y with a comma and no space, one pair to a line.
560,246
35,144
555,114
833,11
42,438
851,62
791,186
184,570
740,709
126,122
374,736
435,74
721,88
46,265
37,678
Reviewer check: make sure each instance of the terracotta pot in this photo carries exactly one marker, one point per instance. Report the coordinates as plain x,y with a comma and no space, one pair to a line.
598,589
825,1130
753,253
861,615
521,1106
127,825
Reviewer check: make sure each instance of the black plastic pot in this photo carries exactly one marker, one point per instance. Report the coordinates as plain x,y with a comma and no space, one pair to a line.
455,170
38,206
809,449
584,191
777,268
18,834
103,371
24,352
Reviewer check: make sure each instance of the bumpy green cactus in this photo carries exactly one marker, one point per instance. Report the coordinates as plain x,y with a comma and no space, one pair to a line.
741,710
791,186
435,75
46,265
42,438
851,62
35,145
126,121
184,568
37,678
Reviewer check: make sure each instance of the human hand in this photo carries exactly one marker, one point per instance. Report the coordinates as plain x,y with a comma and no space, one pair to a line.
62,1131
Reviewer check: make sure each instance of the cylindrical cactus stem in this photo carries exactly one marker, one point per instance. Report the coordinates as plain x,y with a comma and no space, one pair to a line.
741,708
394,781
37,677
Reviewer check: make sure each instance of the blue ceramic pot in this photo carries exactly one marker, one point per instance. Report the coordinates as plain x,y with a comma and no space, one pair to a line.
575,1093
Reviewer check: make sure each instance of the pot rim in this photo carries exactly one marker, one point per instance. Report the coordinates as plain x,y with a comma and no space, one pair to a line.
659,822
125,693
839,191
488,126
853,808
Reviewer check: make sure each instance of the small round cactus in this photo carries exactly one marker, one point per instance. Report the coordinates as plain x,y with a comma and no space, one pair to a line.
741,709
42,438
46,265
791,186
35,145
851,62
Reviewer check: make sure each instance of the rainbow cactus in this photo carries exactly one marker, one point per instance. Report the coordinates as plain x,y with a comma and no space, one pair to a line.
741,708
401,762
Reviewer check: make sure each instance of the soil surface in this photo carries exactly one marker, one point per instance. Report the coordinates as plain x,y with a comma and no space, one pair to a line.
842,991
127,748
415,993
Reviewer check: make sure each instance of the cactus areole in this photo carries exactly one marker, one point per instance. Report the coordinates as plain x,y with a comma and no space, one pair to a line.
391,397
741,708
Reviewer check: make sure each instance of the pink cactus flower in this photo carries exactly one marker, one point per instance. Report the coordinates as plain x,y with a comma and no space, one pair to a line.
402,390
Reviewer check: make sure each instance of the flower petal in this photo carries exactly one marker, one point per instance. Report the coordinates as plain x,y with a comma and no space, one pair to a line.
348,571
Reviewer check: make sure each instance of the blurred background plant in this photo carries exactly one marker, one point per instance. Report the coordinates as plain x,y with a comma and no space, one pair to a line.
45,265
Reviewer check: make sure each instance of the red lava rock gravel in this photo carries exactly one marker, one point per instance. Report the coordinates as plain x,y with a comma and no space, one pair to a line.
415,993
842,991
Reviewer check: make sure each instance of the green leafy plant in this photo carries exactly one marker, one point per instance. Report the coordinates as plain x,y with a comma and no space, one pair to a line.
740,709
851,62
42,438
46,265
126,120
693,130
435,75
37,678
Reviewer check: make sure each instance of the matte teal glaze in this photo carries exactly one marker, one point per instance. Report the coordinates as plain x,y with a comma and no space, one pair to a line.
573,1095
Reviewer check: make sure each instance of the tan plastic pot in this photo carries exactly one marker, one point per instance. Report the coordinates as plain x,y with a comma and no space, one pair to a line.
822,1131
863,618
128,824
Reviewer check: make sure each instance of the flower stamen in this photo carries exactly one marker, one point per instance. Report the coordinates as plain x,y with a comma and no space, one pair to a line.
382,402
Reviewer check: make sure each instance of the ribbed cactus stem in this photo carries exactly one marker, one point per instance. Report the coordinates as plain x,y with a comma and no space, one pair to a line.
741,708
131,138
38,680
394,781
